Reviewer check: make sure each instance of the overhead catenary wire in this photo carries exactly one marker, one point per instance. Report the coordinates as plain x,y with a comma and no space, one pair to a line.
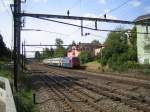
45,31
118,7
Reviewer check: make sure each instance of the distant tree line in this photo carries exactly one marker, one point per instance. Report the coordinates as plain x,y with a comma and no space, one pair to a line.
86,57
5,53
59,51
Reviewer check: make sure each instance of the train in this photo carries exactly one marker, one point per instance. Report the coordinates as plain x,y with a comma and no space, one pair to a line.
67,62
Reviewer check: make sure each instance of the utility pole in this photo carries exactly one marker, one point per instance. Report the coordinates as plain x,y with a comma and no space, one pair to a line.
24,54
17,27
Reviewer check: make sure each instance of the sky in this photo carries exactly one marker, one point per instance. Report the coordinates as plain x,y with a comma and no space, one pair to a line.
88,8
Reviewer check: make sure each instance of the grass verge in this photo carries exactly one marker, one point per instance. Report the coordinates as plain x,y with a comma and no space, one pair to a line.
23,98
142,71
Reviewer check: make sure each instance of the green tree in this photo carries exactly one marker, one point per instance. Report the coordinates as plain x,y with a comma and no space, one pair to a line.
115,44
95,41
46,53
5,53
51,52
114,53
60,51
37,55
58,42
132,50
118,52
85,57
70,46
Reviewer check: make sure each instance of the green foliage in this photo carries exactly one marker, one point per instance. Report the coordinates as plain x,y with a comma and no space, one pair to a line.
5,71
119,50
24,98
46,54
58,42
37,55
115,46
85,57
5,53
132,50
60,52
95,41
51,52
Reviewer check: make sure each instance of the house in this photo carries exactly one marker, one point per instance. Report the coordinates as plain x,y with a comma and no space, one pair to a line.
143,40
76,49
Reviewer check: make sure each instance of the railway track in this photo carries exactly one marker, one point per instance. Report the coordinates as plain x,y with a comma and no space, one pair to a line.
67,105
109,92
80,93
117,79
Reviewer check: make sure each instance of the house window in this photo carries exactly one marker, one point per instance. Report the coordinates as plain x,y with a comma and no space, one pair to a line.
146,61
147,29
73,53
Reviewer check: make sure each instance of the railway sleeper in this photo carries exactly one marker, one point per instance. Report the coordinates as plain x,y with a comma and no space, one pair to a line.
120,98
66,102
117,97
90,103
132,96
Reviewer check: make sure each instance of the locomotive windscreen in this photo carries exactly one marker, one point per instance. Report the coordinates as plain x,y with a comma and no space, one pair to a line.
75,59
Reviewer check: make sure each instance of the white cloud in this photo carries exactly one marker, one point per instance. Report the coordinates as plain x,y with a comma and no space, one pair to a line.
102,1
147,9
106,10
5,5
45,1
2,9
135,3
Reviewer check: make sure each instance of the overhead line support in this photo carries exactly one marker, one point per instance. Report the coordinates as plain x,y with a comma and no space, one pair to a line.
105,30
82,18
17,27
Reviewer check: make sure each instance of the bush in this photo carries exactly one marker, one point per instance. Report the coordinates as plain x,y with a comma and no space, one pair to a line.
24,98
85,57
24,101
133,65
119,52
117,62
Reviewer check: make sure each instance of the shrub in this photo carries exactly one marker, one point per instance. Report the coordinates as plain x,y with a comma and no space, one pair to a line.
85,57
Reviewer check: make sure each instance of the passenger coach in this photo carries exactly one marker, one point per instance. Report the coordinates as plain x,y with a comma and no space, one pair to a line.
67,62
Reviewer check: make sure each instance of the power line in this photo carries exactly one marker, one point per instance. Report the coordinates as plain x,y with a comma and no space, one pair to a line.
119,6
76,31
44,31
44,45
